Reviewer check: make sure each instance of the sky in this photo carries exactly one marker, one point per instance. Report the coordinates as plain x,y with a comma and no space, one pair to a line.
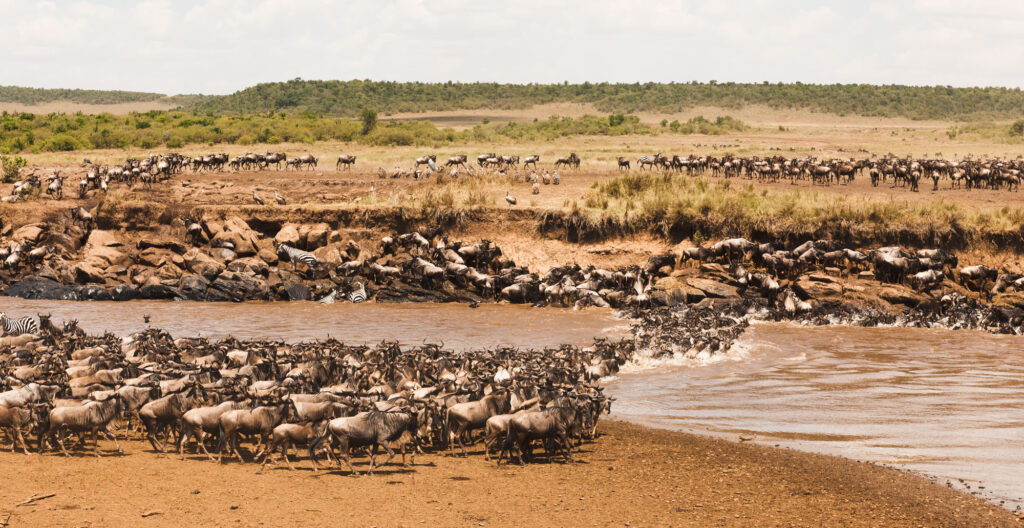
221,46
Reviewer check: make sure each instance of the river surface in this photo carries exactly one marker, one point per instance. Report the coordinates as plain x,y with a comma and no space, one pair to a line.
456,325
946,404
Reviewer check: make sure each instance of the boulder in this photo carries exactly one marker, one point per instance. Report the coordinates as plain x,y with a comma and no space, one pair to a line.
866,275
169,272
329,255
94,293
224,254
317,236
236,235
296,291
159,291
289,234
269,256
230,286
252,265
124,292
102,250
169,245
712,288
153,257
28,233
711,267
818,277
39,288
202,264
86,273
193,287
900,295
812,289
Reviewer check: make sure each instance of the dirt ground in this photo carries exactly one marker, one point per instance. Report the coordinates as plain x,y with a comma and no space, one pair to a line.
631,476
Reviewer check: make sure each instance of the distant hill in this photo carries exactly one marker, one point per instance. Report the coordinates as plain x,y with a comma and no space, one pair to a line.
347,98
35,96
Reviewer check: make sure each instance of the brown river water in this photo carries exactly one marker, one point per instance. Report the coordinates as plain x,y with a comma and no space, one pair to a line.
946,404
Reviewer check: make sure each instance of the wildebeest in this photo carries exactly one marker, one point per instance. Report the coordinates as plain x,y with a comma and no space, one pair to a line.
90,417
552,423
260,421
345,159
371,428
463,418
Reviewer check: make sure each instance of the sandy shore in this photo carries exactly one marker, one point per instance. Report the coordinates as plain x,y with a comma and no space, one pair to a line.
632,476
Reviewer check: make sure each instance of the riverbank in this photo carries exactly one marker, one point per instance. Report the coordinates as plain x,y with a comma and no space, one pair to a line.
631,476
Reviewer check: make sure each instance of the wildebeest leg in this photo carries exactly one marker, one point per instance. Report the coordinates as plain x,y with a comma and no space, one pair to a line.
343,450
113,437
60,442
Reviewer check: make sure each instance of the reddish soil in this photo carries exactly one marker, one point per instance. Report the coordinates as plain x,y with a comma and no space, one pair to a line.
631,476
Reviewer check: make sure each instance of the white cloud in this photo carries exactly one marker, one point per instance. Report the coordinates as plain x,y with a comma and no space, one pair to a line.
218,46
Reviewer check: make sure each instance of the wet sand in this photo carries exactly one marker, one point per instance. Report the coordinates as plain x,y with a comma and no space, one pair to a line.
631,476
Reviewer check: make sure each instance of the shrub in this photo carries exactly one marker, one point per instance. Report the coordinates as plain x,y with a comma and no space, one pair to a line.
10,167
1017,128
369,119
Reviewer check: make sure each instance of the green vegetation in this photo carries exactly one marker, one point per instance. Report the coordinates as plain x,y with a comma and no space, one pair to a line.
369,118
31,96
10,167
348,98
22,132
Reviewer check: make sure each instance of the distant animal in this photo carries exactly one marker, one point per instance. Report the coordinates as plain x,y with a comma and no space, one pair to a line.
257,199
510,199
280,199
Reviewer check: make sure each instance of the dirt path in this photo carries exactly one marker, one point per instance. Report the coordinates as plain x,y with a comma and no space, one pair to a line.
632,476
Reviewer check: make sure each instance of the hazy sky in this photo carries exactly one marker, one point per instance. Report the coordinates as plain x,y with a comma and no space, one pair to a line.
219,46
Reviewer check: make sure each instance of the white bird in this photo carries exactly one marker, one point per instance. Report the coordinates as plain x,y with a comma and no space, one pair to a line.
280,199
510,199
257,199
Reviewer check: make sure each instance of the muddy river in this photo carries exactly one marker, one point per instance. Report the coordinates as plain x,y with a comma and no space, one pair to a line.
947,404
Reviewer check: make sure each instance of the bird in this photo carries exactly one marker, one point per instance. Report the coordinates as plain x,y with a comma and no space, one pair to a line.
145,319
280,199
510,199
257,199
474,304
86,160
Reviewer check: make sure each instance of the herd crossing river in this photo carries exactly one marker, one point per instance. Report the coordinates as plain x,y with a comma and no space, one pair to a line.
943,403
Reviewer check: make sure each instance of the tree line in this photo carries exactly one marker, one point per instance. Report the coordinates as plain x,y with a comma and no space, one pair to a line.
348,98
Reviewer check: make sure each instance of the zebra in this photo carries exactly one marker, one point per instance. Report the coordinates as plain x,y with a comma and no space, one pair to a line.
359,294
25,325
649,161
297,256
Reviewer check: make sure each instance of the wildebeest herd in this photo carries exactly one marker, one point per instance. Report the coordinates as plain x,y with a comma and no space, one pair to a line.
208,397
904,172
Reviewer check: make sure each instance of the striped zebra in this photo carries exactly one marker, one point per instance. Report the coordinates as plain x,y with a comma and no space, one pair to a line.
358,295
297,256
13,327
648,161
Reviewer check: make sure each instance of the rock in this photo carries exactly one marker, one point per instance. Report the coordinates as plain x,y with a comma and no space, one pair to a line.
29,233
334,238
39,288
124,292
250,265
677,291
63,241
268,255
93,293
820,277
46,272
200,263
169,272
832,271
101,250
866,275
224,254
193,287
230,286
712,288
101,238
317,236
237,235
900,295
328,255
169,245
289,234
86,273
711,267
159,291
153,257
812,289
296,291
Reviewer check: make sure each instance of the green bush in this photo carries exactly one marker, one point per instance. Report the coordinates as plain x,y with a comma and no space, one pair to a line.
10,167
62,143
1017,128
